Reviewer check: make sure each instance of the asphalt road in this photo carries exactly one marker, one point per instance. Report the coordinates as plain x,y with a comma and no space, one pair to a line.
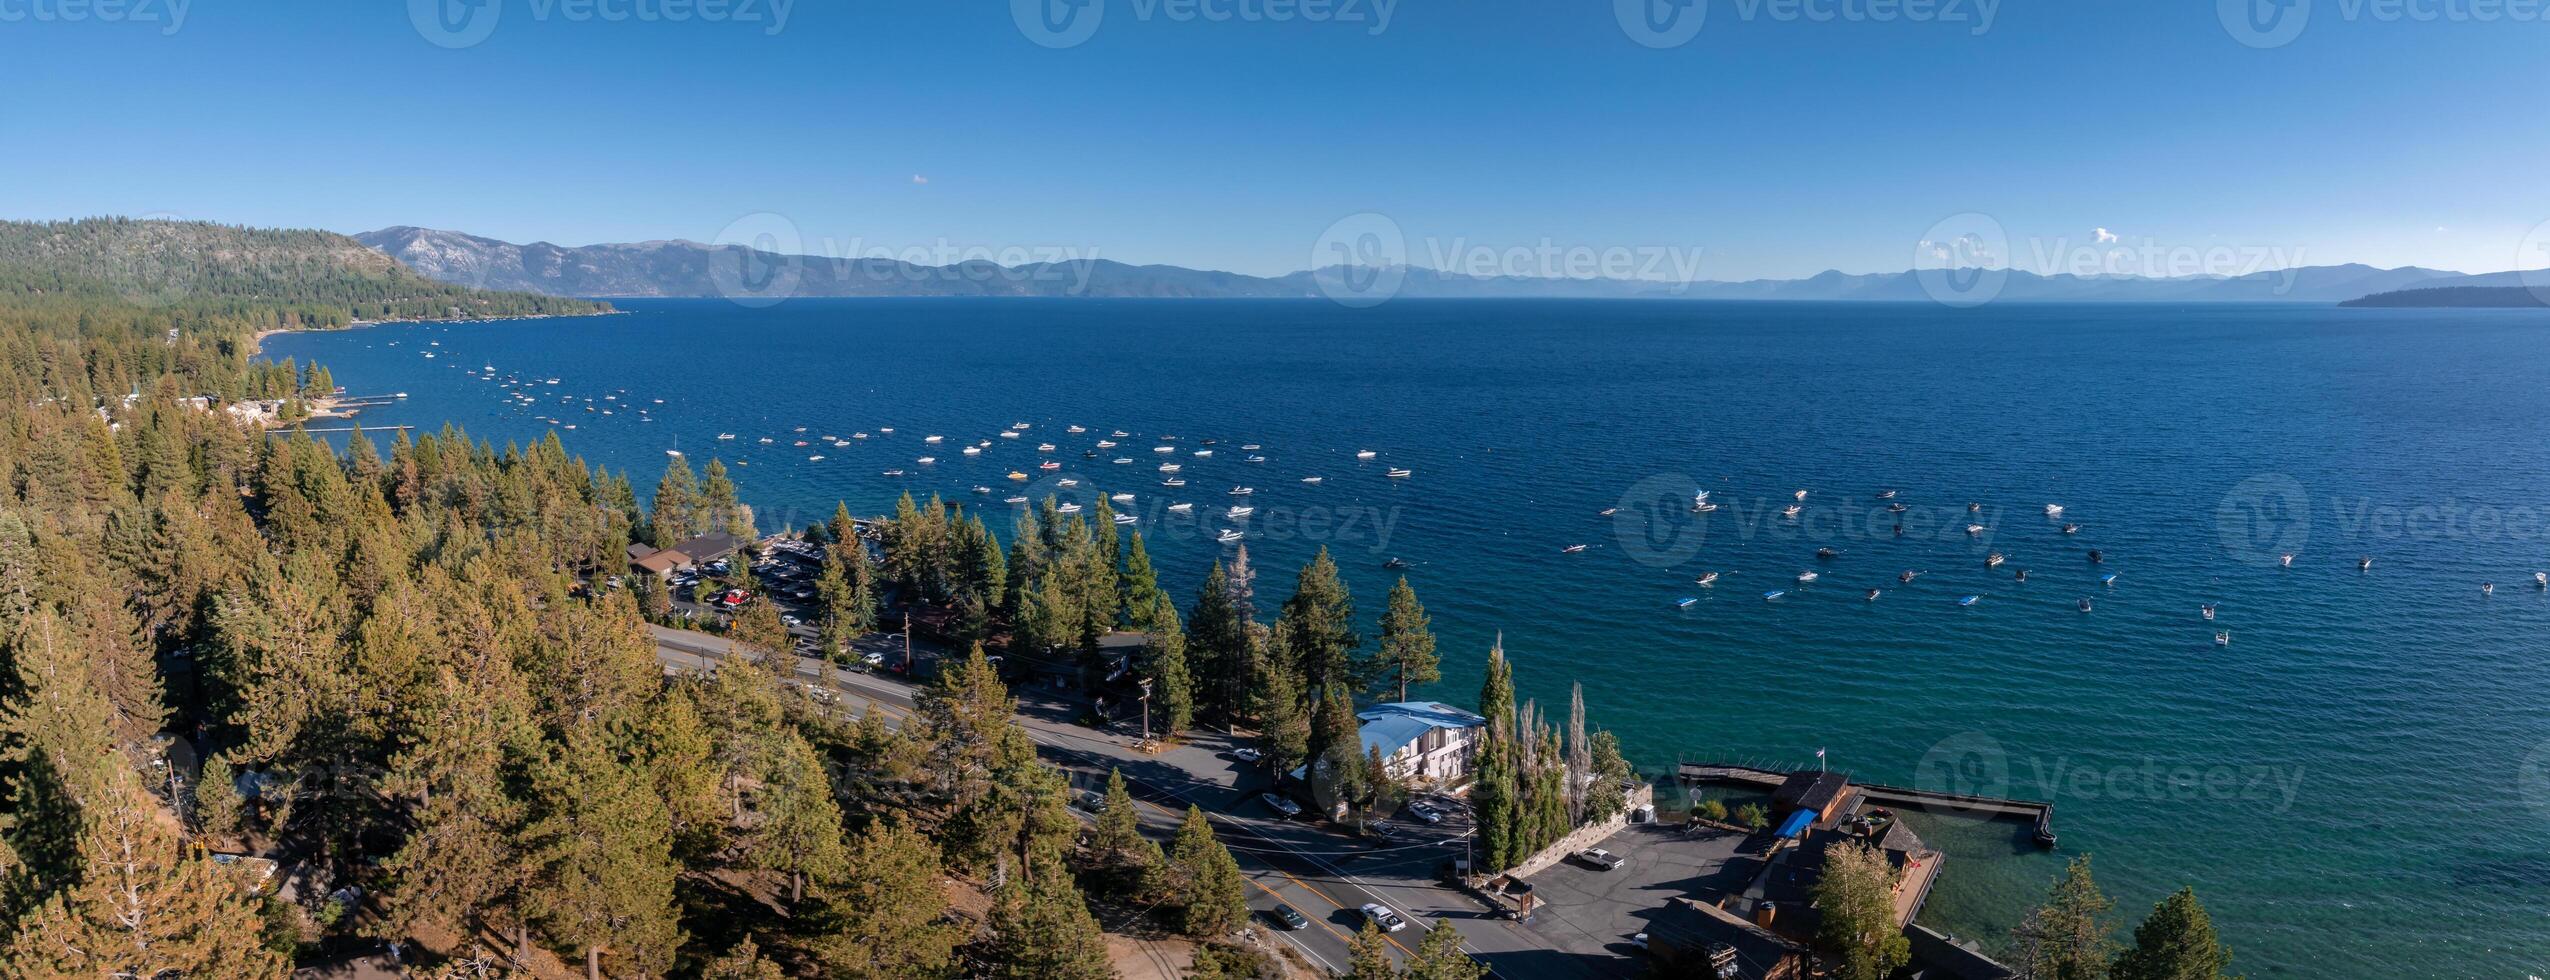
1325,874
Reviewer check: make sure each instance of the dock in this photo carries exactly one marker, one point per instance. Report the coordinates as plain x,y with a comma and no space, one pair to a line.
2038,813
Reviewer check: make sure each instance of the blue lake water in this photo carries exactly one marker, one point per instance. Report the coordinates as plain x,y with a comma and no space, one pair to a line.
2358,784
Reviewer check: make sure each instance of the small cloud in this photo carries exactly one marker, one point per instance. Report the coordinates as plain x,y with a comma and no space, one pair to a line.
2439,229
918,179
2104,236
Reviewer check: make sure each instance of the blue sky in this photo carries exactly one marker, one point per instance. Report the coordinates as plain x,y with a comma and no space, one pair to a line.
1780,139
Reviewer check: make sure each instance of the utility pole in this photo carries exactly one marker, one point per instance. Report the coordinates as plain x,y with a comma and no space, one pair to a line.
1146,711
907,643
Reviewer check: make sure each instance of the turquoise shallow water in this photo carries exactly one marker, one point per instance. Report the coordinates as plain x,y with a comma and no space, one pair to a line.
2358,785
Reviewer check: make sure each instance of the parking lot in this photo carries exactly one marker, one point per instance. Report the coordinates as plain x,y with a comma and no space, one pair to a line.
1594,913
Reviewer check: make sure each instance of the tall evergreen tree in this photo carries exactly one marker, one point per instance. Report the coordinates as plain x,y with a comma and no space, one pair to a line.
1439,957
2067,938
1406,650
1165,666
1042,930
1317,627
1368,955
885,917
2175,942
1856,895
601,851
674,514
1211,886
145,905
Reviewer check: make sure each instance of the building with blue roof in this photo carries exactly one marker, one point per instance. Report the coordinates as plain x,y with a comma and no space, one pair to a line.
1426,741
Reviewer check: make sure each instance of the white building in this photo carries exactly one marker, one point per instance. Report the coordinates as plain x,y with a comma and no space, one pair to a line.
1426,741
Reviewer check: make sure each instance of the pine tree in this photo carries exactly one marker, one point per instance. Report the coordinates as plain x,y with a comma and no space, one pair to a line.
1406,656
1317,627
1119,829
2175,942
744,962
1042,930
2067,937
1217,649
1211,886
674,514
1368,955
1142,592
146,905
601,851
1856,895
885,917
1337,751
1439,957
799,830
1283,725
1165,666
1496,695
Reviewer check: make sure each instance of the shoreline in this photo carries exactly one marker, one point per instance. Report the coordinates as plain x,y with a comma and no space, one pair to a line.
257,342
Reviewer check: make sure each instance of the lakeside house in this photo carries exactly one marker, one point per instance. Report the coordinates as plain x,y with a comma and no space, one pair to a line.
703,549
1423,741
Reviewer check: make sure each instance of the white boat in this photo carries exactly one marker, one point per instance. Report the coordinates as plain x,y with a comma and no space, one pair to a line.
1790,510
1397,474
1067,509
816,458
1572,549
1365,454
1700,502
2222,639
1066,482
1125,518
1706,579
1204,452
1164,449
2541,580
1801,495
933,438
854,435
1049,465
1106,444
1242,491
926,460
1009,435
1044,447
1075,429
1121,460
1805,577
1120,433
2054,510
1251,447
1311,479
765,440
1013,500
1227,536
1236,513
982,490
1254,458
1018,426
1181,508
1974,529
973,450
725,437
894,473
1122,498
1170,467
1175,481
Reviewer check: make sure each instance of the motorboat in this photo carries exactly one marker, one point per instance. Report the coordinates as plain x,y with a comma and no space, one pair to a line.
1397,474
1686,602
1200,453
1395,564
1066,482
1067,509
893,473
1312,479
1885,495
1242,491
1993,560
933,439
1121,460
1773,594
1019,426
1907,576
1170,467
1014,500
1250,447
1049,466
1365,454
1254,458
2108,580
1175,481
1164,449
1120,433
1571,549
1044,447
1122,498
2287,562
1236,513
2364,564
927,460
2207,609
1790,510
2085,605
1227,536
816,458
1801,495
1009,435
1126,518
2222,639
1974,529
1804,578
1076,430
885,430
2076,529
1873,594
982,489
1827,554
1896,508
1106,444
1181,508
1706,579
973,450
725,437
1016,475
1969,600
2054,510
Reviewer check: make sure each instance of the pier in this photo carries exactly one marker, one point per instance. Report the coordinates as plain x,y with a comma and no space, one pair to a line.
2040,814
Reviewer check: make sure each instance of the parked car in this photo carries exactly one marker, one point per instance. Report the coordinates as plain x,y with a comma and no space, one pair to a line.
1289,917
1091,801
1283,807
1248,755
1426,812
1599,859
1381,915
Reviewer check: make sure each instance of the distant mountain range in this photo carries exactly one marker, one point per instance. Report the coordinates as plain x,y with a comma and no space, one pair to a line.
687,268
2463,296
